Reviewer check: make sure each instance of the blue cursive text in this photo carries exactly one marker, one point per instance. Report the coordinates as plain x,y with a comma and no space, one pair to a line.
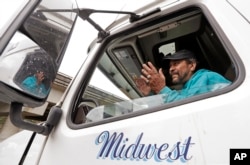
116,146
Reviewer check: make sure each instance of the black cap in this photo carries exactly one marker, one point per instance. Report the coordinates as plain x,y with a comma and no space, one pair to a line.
179,55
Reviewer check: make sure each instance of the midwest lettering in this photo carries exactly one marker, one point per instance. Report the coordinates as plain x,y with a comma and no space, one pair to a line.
118,147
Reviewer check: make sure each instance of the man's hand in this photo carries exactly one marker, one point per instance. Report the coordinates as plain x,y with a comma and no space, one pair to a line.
40,77
155,79
143,86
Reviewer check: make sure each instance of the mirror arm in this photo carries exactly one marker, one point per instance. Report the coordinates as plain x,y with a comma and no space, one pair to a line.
85,13
45,128
102,33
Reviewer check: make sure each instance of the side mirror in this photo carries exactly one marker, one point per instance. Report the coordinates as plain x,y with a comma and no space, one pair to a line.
30,61
27,68
33,41
27,71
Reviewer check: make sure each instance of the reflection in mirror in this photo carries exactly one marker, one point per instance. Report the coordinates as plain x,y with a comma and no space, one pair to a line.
50,30
36,73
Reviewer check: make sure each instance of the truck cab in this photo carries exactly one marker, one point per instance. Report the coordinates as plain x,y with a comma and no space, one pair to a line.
113,121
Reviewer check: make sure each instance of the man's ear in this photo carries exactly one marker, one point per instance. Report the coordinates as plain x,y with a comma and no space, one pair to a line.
193,66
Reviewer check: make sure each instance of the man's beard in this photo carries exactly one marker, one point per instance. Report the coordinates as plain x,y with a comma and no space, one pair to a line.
179,79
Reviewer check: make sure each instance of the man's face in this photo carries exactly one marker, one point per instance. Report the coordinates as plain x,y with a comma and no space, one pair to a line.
181,70
40,76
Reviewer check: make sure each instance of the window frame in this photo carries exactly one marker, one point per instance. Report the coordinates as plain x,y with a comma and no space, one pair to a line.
239,67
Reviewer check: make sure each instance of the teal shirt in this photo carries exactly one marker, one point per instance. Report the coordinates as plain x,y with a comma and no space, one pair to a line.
202,81
30,84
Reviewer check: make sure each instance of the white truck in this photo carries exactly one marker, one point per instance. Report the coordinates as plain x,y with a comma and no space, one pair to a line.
121,125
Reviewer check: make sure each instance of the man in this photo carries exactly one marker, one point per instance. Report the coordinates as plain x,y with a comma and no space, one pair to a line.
182,69
34,84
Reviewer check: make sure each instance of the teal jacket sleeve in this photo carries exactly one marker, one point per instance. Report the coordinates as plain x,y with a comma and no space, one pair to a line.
201,82
30,84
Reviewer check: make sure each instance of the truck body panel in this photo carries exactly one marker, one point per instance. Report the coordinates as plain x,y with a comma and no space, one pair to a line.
126,127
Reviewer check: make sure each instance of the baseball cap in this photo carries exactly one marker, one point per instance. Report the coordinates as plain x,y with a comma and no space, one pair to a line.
179,55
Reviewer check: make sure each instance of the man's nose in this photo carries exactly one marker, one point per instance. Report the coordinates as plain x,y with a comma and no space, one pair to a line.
171,69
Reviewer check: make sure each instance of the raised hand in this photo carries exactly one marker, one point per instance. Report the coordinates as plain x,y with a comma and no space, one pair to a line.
155,79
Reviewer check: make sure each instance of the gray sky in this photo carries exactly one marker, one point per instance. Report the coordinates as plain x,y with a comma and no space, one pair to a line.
73,60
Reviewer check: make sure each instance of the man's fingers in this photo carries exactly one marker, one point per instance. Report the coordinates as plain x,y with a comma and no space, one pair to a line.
145,67
149,68
152,68
161,73
143,77
144,71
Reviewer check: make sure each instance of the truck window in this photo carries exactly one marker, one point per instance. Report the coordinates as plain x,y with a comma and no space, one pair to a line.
121,64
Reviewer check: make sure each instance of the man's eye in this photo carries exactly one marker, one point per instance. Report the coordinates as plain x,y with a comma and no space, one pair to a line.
175,63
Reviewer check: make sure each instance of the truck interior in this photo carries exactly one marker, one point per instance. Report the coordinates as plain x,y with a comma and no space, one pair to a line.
189,31
151,40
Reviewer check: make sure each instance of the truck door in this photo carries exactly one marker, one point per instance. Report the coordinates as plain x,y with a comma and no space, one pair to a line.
108,120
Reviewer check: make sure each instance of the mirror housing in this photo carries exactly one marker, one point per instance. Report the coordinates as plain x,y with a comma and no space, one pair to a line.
32,45
30,61
26,69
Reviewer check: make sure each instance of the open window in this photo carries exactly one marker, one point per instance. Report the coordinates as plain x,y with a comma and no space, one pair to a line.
122,61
